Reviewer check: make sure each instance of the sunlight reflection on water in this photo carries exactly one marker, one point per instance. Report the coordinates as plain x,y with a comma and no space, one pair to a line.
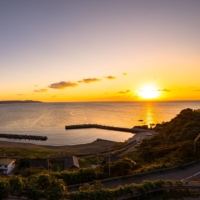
50,119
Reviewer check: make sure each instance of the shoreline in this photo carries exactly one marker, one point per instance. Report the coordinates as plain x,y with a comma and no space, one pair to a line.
92,147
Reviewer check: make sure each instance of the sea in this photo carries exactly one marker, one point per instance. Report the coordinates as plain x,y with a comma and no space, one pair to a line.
50,119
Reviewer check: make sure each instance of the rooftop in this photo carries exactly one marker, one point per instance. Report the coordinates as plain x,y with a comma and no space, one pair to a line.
6,161
71,162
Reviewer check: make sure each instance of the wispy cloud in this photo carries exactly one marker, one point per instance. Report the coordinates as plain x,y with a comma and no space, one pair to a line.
123,92
164,90
66,84
197,90
21,94
110,77
62,85
89,80
40,90
124,74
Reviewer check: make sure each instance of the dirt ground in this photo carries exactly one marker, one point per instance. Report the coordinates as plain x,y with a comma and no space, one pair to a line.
98,145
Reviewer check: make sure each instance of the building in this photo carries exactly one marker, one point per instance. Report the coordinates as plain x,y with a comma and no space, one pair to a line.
7,165
71,162
40,163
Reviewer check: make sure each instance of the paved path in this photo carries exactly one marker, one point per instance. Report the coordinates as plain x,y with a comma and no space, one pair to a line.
175,174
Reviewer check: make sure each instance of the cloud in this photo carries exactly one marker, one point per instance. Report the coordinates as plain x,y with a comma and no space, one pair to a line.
62,85
21,94
40,90
89,80
124,92
110,77
164,90
124,74
196,90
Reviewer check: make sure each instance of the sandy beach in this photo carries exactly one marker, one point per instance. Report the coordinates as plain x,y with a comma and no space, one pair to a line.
141,136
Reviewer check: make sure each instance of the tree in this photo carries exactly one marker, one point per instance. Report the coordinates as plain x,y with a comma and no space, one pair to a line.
45,185
4,188
56,189
17,185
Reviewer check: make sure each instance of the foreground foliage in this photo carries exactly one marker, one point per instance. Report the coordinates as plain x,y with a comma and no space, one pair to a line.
46,186
34,187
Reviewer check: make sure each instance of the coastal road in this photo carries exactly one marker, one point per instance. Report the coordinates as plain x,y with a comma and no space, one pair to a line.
175,174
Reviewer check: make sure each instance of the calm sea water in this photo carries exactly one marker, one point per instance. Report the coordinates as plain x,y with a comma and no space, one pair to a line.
49,119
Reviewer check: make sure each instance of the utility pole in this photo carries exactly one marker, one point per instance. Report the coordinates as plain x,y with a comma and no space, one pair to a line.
165,139
97,158
109,163
194,145
195,140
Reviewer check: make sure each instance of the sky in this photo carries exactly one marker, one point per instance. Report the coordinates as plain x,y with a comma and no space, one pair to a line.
108,50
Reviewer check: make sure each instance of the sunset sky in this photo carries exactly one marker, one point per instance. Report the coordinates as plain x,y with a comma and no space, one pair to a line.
106,50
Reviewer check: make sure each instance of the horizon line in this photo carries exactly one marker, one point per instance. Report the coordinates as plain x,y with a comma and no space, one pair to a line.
134,101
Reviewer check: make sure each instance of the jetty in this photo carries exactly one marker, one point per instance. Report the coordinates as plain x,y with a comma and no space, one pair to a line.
23,137
81,126
19,101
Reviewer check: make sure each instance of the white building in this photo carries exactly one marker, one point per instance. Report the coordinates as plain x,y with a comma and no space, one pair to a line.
7,165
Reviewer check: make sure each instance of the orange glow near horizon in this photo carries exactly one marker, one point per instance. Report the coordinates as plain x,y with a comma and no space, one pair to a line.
148,91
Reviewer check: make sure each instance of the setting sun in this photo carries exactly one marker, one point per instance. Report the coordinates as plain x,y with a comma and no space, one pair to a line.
148,92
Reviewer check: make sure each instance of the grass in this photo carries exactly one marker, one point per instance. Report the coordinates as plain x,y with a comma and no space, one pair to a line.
24,152
34,152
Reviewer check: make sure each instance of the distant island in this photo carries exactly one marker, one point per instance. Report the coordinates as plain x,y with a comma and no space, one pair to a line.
19,101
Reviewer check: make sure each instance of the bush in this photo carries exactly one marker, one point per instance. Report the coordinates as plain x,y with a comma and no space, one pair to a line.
17,185
4,188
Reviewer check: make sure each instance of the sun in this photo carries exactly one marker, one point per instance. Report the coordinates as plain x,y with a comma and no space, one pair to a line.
149,91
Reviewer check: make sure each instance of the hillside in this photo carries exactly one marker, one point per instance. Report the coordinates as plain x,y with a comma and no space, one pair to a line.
174,141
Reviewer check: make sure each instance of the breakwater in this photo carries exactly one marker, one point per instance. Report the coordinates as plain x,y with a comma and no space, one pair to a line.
23,137
80,126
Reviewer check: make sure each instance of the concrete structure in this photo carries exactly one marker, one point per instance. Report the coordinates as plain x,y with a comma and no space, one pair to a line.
7,165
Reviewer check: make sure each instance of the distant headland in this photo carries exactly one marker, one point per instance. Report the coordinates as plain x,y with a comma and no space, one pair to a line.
19,101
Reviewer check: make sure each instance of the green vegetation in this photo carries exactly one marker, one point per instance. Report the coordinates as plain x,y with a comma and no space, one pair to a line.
47,186
121,167
34,152
34,187
96,190
4,188
174,142
172,145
